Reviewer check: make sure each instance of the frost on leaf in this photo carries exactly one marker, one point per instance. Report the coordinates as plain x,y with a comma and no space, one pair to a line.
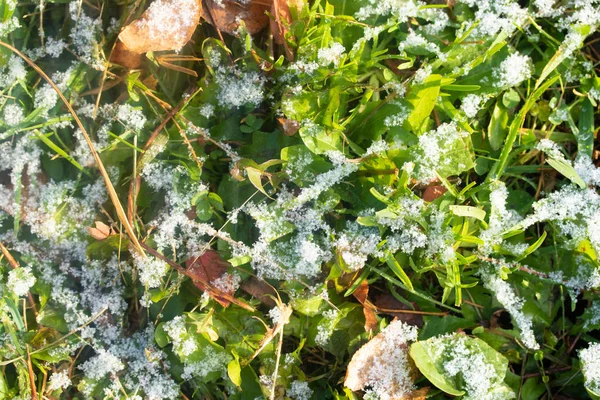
207,269
165,25
382,366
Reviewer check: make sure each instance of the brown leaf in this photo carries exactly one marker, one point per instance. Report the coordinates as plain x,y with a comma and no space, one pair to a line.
289,126
101,231
361,294
205,269
260,290
165,25
388,304
282,10
433,192
227,17
123,56
383,364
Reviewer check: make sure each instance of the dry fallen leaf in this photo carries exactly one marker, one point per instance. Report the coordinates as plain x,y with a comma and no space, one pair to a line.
165,25
124,57
388,304
361,294
384,366
433,192
282,11
101,231
208,268
290,127
260,290
227,15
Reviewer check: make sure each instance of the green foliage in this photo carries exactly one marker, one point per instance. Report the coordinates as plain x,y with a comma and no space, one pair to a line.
430,162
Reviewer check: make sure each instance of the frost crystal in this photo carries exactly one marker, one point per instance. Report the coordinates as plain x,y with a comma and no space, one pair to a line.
20,280
471,104
515,69
326,326
13,114
479,376
164,18
513,305
102,364
299,390
131,117
183,343
436,149
383,363
331,55
12,71
212,361
151,270
239,89
590,366
59,380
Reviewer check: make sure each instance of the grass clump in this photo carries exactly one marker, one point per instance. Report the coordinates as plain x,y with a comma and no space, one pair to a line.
242,217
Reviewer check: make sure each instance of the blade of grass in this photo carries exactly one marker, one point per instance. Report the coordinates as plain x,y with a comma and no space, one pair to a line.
60,151
515,126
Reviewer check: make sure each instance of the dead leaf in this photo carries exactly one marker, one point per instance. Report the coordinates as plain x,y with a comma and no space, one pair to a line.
205,269
123,56
101,231
260,290
165,25
282,11
433,192
226,17
361,294
384,366
388,304
290,127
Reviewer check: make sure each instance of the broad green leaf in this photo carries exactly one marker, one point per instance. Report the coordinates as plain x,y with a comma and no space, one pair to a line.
468,211
239,260
234,371
498,127
461,88
431,357
585,136
511,99
423,99
319,140
161,337
567,170
254,175
420,353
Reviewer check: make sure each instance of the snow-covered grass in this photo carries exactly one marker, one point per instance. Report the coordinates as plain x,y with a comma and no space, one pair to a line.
294,190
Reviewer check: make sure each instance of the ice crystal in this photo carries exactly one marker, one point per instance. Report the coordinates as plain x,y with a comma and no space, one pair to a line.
515,69
590,366
59,380
383,365
20,280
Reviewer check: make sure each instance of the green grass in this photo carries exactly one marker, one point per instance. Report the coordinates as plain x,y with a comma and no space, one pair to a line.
245,218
